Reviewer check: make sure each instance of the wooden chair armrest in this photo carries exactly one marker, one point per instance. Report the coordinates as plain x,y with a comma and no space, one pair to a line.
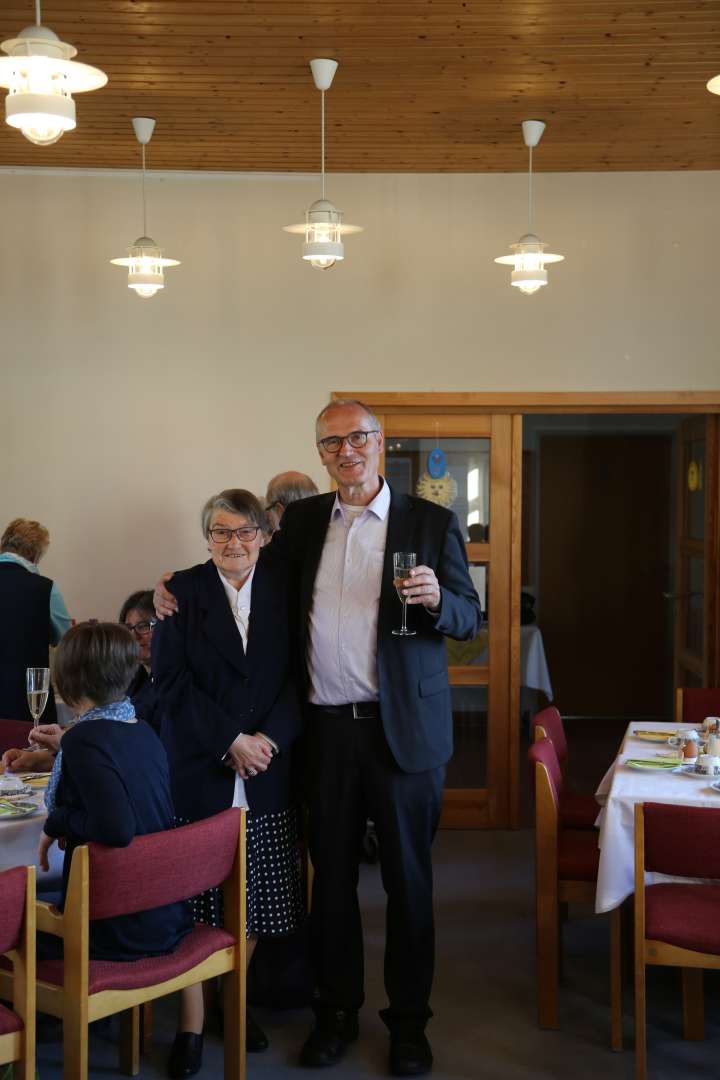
49,919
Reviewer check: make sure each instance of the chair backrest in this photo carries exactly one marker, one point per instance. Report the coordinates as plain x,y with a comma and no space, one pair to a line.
543,753
683,841
14,733
161,868
694,703
549,722
13,886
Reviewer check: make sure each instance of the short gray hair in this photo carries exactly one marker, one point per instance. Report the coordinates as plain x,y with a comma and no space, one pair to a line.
340,403
235,501
290,487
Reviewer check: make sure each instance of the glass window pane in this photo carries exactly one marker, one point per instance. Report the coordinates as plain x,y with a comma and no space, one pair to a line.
473,653
464,487
695,489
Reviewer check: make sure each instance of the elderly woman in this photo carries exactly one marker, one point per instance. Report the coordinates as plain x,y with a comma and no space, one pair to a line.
110,781
230,715
33,615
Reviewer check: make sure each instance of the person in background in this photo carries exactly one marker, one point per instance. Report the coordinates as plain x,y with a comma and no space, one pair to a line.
222,670
283,489
110,781
138,616
33,615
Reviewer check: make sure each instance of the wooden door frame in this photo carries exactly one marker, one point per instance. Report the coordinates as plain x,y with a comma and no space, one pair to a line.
442,405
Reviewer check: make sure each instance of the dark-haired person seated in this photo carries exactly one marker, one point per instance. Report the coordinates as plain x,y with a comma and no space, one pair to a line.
110,781
138,616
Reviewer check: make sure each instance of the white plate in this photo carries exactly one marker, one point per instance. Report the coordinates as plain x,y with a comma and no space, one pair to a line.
689,770
716,785
18,793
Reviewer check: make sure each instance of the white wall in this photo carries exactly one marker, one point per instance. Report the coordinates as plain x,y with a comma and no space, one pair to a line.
119,416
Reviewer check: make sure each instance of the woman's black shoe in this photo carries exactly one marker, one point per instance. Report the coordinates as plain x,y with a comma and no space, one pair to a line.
186,1055
255,1038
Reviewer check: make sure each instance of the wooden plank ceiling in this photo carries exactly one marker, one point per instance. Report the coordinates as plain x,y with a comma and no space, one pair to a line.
423,85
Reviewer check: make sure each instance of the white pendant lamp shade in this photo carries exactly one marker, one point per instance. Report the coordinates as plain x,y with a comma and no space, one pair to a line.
713,84
323,227
529,257
41,78
145,260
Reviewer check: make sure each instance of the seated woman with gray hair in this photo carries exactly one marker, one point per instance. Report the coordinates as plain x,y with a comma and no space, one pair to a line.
222,670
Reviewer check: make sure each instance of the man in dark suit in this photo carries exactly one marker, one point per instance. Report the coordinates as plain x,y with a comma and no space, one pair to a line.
378,722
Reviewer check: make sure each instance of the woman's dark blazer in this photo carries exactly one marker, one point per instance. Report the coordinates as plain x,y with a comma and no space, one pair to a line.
210,691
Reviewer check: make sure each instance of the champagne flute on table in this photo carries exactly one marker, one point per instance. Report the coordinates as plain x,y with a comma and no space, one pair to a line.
403,563
37,685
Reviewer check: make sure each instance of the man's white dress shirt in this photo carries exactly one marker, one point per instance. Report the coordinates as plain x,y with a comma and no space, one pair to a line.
342,644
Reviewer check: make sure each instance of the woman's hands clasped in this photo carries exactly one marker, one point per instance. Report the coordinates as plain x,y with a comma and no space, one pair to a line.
249,755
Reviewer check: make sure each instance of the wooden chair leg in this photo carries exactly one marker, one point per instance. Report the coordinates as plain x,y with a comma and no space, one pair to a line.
693,1004
547,931
640,1034
234,1026
75,1038
616,979
130,1041
146,1023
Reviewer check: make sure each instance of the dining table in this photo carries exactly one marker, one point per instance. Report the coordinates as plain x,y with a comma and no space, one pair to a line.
622,787
19,838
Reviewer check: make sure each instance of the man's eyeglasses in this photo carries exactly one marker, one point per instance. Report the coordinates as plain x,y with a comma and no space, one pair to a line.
141,628
221,535
332,444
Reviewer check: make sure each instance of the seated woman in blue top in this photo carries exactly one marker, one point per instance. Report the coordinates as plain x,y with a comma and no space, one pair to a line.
110,781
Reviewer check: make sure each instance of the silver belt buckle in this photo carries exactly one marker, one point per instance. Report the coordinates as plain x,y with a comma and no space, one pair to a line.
360,712
356,714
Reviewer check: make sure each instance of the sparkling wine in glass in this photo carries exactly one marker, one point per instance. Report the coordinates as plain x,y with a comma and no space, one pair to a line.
403,563
37,684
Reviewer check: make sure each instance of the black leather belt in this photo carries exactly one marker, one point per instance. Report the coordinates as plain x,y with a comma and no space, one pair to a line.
359,710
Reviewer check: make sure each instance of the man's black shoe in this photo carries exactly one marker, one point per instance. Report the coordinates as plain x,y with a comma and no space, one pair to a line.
186,1055
410,1054
326,1045
255,1038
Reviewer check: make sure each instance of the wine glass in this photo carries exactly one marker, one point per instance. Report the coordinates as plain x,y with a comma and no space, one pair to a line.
37,685
403,563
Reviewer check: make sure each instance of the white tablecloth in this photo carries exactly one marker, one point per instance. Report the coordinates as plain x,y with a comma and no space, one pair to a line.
620,789
19,844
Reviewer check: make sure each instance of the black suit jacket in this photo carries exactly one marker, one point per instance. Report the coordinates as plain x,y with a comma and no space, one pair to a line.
412,672
211,691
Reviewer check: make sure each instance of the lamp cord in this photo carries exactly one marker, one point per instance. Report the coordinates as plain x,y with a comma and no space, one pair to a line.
530,179
143,191
322,140
37,13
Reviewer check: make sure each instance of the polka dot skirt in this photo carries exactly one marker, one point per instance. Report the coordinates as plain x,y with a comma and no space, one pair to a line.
274,894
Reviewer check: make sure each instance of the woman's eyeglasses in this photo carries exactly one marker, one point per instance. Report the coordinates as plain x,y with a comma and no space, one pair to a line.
220,535
141,628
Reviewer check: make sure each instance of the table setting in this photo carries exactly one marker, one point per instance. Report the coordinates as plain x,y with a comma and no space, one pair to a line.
664,763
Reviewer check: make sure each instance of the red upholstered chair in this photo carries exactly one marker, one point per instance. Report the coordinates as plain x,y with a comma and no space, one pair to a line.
17,941
14,733
156,869
566,866
578,810
694,703
676,923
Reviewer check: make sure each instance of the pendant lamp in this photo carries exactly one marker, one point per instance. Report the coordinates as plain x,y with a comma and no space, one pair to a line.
145,260
323,227
713,85
529,257
41,78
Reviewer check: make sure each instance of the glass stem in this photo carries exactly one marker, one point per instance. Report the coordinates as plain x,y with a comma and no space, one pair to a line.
404,618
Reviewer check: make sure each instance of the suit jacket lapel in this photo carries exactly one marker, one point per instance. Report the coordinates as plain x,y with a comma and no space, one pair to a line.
220,626
401,525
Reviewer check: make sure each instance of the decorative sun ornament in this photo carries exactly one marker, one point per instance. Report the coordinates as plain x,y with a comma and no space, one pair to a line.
41,78
437,489
145,260
323,227
529,257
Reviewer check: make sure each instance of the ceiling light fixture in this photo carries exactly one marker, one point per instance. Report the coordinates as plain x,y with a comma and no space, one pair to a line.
530,257
713,85
145,262
323,227
41,78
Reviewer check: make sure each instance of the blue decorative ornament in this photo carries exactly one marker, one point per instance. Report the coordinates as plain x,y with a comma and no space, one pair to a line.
436,465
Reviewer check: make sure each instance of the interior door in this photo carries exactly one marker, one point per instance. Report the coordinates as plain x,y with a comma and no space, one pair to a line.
696,554
480,481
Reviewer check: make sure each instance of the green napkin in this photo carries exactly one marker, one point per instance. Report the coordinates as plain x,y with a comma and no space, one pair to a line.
652,763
